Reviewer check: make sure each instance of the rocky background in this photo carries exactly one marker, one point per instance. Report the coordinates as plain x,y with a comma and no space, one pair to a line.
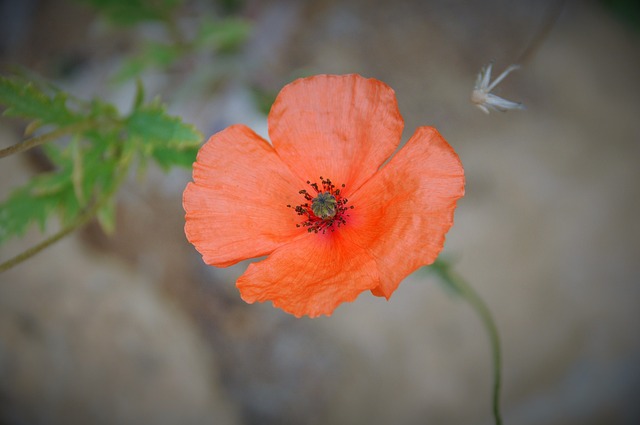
135,329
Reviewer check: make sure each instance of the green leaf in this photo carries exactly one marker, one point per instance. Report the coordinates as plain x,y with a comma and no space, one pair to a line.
163,137
107,217
225,35
162,55
32,127
96,155
263,99
35,202
25,100
105,112
168,157
99,162
156,55
131,68
154,129
130,12
138,100
77,173
84,171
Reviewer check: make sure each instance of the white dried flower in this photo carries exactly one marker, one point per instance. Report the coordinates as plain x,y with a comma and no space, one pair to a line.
482,97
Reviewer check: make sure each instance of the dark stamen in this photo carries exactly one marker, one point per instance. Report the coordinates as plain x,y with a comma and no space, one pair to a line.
327,209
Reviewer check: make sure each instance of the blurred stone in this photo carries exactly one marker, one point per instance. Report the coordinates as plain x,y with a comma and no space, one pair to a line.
91,342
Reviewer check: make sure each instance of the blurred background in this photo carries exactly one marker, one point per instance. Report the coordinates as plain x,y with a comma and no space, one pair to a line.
133,328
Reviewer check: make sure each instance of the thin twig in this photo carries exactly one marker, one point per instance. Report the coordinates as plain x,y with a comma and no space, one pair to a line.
80,221
38,140
473,298
549,21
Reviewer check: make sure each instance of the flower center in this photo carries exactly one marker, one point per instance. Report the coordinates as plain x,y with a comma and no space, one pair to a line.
324,205
326,210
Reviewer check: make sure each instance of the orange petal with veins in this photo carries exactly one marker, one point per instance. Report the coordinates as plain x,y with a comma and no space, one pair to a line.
236,207
312,275
337,127
406,209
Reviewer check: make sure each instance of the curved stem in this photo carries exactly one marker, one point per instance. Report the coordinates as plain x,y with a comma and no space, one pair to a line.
487,319
549,20
80,221
38,140
473,298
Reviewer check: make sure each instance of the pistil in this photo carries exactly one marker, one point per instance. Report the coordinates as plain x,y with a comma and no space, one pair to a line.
326,210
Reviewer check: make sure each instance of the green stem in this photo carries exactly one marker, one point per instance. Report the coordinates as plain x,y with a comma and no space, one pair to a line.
38,140
443,270
80,221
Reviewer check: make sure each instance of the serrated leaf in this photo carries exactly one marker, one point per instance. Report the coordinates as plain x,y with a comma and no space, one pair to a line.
19,211
31,205
167,157
155,129
99,162
23,99
84,171
103,111
49,184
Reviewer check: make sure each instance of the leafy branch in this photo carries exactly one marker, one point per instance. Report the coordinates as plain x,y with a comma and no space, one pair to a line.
92,147
83,218
222,36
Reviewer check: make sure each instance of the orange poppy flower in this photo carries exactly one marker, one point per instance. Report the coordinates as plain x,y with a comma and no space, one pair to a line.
332,219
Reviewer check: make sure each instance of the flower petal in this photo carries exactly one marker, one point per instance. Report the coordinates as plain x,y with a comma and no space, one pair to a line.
338,127
312,275
236,208
404,211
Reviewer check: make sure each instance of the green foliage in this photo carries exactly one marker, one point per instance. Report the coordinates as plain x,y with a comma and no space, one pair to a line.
225,35
91,144
212,36
263,99
150,126
164,138
151,55
26,100
130,12
169,157
99,145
